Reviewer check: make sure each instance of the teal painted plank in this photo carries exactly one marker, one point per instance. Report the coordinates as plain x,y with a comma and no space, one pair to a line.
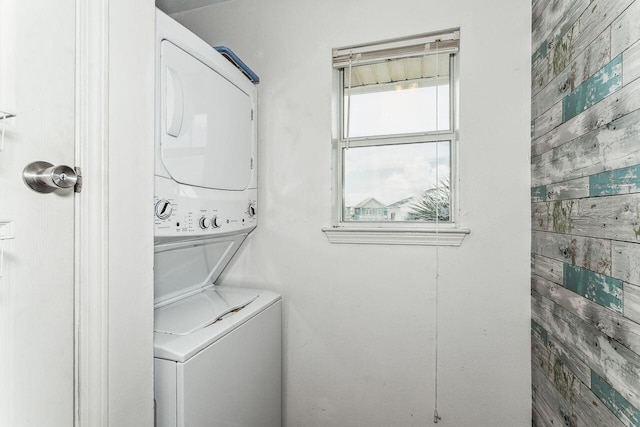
601,289
625,411
603,390
539,194
593,90
619,181
539,54
539,332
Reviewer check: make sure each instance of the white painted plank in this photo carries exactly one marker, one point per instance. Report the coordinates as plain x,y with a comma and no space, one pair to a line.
598,16
625,261
613,362
593,58
558,57
613,325
552,245
592,254
555,19
625,30
593,410
545,359
538,417
571,36
625,101
632,302
570,359
573,189
612,147
547,121
553,92
585,408
548,268
586,252
538,8
557,408
537,420
578,229
562,74
609,217
631,64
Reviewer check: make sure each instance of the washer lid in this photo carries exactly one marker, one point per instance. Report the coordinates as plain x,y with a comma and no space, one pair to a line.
201,310
180,348
184,267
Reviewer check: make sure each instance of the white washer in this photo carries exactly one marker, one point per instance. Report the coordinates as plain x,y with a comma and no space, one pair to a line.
217,349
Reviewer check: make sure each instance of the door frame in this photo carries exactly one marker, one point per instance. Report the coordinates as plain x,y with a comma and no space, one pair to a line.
114,224
91,220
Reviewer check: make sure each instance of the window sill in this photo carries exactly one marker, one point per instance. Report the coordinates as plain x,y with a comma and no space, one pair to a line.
396,236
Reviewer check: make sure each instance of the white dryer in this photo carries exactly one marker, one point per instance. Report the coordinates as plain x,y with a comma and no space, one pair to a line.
217,349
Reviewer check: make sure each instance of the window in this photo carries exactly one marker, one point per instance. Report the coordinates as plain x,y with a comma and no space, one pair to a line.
394,139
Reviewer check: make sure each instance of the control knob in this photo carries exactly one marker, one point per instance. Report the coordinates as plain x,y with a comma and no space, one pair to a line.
204,223
251,210
215,222
163,209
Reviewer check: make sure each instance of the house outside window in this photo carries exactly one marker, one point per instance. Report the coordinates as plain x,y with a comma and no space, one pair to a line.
394,145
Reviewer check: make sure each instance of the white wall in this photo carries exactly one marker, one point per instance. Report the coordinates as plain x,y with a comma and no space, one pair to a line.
131,162
358,319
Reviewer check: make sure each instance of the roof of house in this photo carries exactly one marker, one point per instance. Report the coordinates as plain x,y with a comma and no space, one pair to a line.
370,203
402,202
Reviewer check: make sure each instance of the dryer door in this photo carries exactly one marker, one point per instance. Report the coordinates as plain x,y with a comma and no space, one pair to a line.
207,124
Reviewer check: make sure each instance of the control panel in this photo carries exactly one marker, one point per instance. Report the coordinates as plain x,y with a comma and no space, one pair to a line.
188,212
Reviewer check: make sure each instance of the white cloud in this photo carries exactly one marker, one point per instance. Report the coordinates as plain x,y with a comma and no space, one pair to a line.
391,173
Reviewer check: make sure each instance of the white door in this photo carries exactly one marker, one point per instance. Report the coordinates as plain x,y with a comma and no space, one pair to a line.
37,83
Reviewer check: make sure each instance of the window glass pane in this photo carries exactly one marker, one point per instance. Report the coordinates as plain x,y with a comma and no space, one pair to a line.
405,182
399,96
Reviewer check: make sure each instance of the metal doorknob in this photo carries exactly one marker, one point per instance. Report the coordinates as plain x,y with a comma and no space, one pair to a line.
44,177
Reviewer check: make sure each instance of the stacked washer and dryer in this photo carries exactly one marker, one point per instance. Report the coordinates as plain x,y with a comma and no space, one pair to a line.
217,349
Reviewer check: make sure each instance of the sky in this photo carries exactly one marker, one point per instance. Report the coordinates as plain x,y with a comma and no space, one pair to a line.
407,110
394,172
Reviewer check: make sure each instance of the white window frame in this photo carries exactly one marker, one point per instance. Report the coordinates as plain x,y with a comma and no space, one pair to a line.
440,233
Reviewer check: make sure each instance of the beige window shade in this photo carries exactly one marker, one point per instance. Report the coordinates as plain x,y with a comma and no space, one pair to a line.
416,70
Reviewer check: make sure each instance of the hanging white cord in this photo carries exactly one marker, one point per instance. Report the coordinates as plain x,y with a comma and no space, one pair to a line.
436,416
349,103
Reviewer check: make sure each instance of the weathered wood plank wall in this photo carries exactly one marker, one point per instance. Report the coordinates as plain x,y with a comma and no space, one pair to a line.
585,212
